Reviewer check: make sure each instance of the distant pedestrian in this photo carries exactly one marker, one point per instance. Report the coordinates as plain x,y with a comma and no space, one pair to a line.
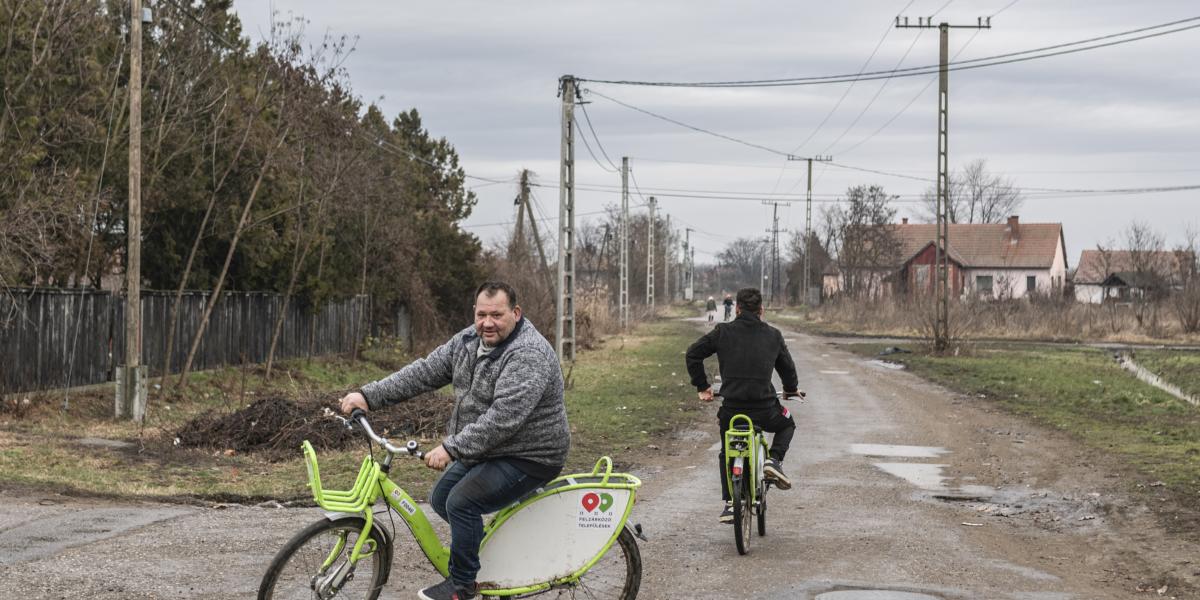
728,306
711,307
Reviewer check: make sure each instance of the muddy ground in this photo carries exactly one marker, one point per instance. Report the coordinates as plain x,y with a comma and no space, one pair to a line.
903,490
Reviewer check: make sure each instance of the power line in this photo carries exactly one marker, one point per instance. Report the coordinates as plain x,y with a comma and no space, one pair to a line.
685,125
974,63
583,107
903,110
861,69
193,18
394,149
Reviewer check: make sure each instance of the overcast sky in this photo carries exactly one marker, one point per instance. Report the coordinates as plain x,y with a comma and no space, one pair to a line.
484,75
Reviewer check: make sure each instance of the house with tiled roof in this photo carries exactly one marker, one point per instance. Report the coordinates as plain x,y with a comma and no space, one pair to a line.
1118,274
993,260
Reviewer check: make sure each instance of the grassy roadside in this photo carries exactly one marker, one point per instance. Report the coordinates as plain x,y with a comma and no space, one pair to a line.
626,395
1083,392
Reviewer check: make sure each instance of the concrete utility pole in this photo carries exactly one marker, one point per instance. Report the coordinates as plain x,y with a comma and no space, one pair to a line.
131,386
762,262
667,260
565,304
806,297
941,329
537,237
689,289
774,231
623,296
650,257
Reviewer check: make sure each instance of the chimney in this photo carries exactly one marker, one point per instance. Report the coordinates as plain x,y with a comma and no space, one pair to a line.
904,221
1013,228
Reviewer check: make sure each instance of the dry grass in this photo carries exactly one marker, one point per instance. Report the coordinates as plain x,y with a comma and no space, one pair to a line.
1039,319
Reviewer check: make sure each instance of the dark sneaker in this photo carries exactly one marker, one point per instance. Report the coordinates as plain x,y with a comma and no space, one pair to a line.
774,472
447,590
727,514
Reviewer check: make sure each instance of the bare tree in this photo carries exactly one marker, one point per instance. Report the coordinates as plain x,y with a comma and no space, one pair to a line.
1185,298
869,245
975,196
1147,275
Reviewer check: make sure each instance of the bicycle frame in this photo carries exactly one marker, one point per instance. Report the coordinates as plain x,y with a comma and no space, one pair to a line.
746,448
372,483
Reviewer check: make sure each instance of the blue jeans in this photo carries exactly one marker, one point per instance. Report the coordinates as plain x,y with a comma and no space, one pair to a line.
463,495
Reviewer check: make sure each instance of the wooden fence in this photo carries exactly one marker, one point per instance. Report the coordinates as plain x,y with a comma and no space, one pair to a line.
53,338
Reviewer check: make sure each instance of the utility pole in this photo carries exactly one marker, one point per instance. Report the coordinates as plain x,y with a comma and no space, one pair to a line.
650,258
565,304
667,260
689,289
623,296
774,231
131,388
941,329
805,298
762,261
537,237
692,274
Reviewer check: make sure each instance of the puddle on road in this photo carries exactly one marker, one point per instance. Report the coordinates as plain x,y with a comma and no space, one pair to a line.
874,595
898,451
887,365
835,372
924,476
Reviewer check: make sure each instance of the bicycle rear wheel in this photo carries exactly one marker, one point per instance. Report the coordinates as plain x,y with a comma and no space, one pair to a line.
741,514
296,571
617,575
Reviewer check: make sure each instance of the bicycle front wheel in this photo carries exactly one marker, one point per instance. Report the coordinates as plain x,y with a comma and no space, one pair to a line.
315,564
617,575
741,514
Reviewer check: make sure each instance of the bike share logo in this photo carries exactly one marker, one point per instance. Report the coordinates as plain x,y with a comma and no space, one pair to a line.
596,511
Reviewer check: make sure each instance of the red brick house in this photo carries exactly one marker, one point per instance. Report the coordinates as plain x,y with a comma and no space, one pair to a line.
995,260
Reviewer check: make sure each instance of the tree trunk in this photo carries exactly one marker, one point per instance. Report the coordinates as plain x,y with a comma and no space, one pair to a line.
237,234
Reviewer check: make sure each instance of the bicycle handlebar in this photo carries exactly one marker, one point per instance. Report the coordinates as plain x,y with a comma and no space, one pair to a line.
359,416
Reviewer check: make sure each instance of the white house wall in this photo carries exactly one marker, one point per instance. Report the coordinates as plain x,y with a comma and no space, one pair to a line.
1088,293
1014,279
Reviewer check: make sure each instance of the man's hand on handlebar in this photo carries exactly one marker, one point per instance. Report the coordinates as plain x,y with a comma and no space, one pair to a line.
794,395
437,458
351,401
706,395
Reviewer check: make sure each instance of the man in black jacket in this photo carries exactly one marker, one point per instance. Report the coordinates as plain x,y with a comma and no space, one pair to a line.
748,350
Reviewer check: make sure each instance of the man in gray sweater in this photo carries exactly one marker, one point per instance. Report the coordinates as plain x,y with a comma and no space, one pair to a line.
507,435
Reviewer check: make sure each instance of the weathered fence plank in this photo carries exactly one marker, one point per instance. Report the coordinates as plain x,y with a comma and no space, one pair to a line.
53,338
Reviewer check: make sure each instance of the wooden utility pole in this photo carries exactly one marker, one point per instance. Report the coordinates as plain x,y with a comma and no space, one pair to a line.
131,388
941,329
564,340
808,226
650,256
623,296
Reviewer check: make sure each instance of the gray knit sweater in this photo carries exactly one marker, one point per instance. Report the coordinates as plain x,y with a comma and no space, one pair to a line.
508,403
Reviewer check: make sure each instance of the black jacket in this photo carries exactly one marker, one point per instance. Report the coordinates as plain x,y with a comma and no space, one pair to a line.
747,351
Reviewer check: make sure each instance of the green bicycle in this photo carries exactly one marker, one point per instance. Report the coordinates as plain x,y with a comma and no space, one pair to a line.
745,454
568,537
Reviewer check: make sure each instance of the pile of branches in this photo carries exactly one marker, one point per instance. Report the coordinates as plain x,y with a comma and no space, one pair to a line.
275,426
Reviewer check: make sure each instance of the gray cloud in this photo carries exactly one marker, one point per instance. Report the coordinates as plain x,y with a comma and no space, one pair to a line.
484,75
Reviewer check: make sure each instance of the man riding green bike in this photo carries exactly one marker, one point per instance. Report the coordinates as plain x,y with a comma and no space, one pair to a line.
748,350
508,433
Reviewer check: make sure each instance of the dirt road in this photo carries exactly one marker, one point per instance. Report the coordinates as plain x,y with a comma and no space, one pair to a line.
904,491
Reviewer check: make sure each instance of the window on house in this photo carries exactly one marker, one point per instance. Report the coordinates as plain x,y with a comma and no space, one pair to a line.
1030,284
922,277
983,283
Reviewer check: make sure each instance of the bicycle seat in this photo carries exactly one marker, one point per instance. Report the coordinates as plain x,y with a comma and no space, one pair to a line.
741,426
